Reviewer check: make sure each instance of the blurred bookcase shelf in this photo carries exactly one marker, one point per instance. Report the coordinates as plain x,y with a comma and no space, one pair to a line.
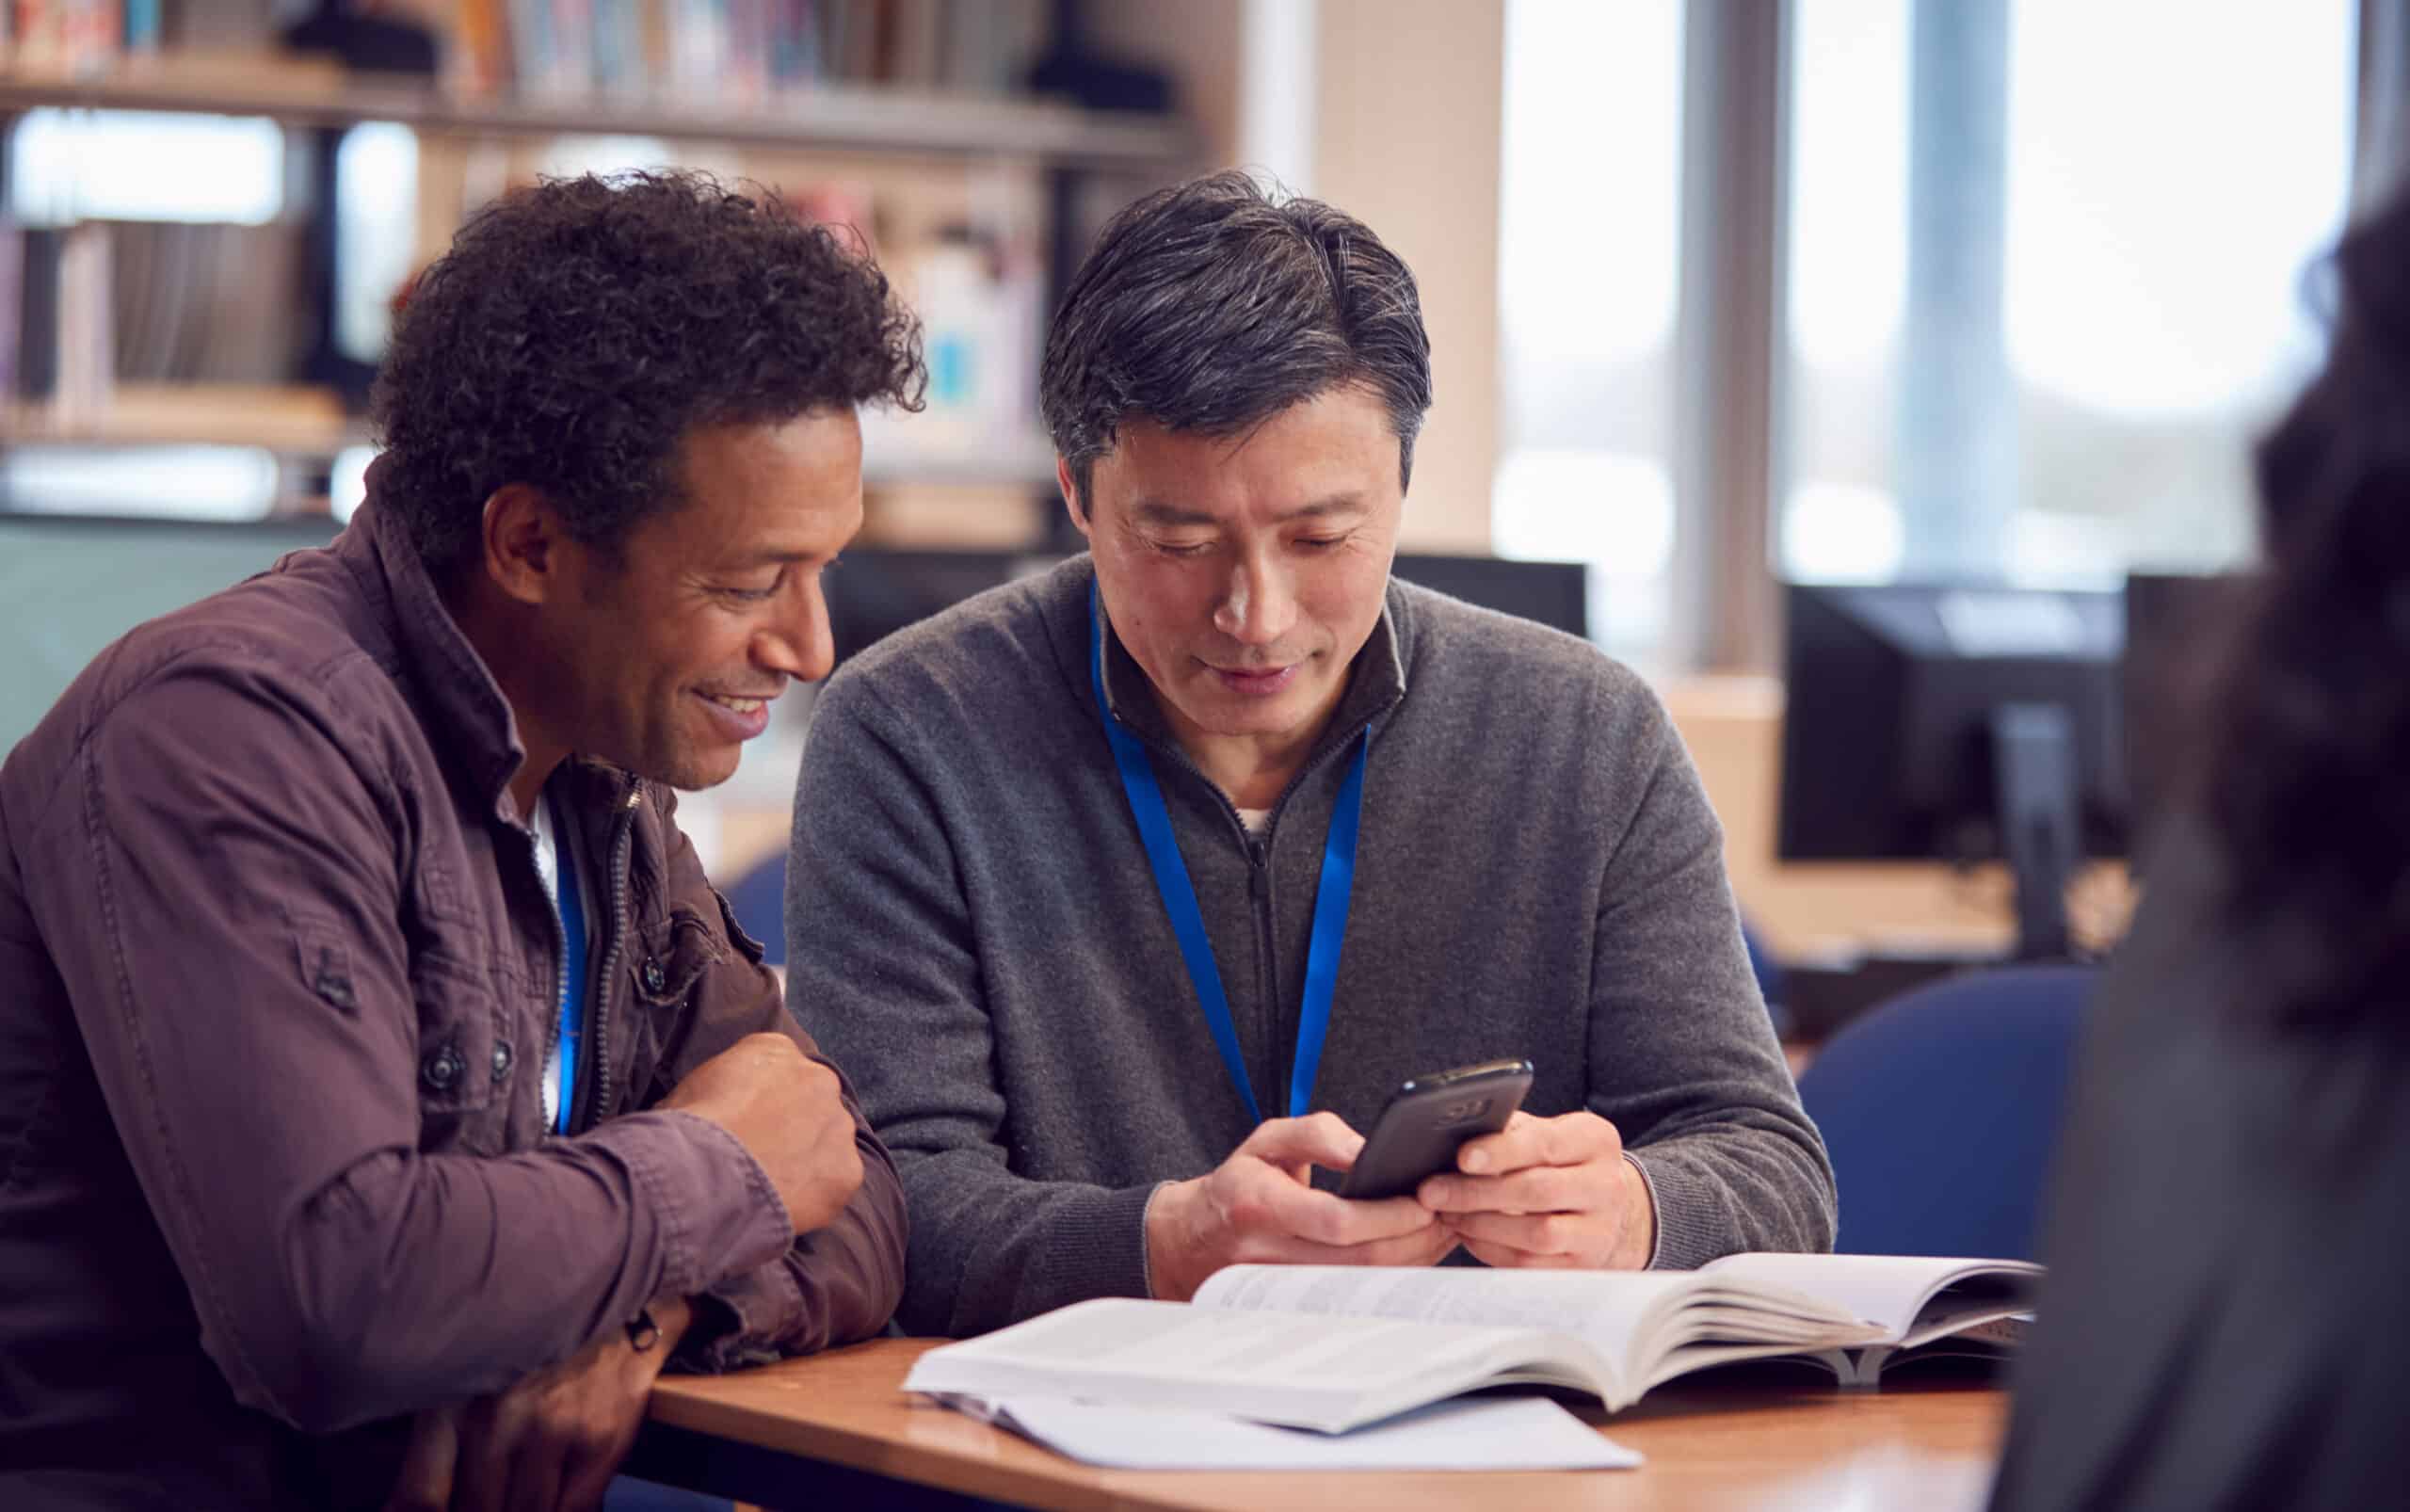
304,423
183,331
830,116
292,420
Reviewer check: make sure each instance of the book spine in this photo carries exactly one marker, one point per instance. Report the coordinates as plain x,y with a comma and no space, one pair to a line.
87,338
145,22
572,70
13,294
619,48
745,64
480,60
36,343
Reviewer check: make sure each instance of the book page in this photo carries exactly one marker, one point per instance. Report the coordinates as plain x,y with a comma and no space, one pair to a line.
1908,1296
1606,1312
1325,1372
1485,1434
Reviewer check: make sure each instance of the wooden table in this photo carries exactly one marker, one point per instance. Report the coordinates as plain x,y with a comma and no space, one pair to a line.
838,1431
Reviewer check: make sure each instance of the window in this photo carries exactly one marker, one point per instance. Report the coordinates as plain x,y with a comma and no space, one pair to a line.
2046,277
1589,221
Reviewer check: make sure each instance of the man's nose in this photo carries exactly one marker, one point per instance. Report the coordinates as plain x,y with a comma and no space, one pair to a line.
799,643
1259,607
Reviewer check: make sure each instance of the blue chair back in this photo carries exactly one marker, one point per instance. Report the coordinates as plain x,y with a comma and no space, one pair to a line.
1771,982
1940,1109
759,900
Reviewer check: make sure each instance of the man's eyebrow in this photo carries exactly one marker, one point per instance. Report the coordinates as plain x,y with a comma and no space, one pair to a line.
1157,513
766,556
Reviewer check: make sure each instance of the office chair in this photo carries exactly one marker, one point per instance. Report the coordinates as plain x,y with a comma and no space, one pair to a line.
759,901
1770,981
1940,1107
629,1494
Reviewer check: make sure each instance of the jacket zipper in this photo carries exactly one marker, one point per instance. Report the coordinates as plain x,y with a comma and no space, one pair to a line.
622,840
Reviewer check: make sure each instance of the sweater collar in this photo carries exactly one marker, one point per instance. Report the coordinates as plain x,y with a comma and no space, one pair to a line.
1375,681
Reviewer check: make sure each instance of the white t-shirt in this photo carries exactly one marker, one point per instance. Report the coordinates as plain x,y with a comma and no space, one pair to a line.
1255,820
549,856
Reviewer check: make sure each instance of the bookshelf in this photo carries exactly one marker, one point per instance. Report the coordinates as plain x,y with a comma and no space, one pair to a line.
305,422
828,116
295,421
915,145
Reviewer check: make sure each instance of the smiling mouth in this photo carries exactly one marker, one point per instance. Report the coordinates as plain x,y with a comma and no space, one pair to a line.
737,705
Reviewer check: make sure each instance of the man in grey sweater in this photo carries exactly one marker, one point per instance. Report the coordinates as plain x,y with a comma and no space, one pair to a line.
1128,893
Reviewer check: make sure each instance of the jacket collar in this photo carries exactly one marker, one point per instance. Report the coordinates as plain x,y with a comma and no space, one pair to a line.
468,718
1376,684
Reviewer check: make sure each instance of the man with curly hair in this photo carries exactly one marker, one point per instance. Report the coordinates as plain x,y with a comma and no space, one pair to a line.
385,1094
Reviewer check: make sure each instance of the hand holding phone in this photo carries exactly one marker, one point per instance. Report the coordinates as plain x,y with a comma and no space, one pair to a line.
1258,1208
1427,1118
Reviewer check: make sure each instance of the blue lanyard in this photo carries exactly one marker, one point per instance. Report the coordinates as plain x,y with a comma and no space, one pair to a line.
1179,893
573,908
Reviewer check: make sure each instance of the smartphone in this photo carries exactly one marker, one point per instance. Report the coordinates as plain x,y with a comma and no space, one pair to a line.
1417,1135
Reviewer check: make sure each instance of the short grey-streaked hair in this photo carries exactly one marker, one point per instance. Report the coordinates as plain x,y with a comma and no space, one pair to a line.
1214,305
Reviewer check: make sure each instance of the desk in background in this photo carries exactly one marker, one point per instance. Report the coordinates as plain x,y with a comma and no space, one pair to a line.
838,1430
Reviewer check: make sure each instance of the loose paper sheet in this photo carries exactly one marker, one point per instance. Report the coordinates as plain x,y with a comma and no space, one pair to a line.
1489,1433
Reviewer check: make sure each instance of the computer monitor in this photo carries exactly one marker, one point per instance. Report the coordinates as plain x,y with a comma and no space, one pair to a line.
1554,593
875,592
1957,723
2174,635
69,585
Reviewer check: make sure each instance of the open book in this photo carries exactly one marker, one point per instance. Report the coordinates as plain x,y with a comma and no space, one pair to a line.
1333,1348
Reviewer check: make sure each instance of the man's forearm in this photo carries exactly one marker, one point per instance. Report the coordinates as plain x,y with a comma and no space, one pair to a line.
1731,1190
990,1249
835,1285
379,1314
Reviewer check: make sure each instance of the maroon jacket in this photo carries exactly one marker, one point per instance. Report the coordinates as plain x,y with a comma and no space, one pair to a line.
277,988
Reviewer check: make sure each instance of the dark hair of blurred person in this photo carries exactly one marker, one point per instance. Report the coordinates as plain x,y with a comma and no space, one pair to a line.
2225,1317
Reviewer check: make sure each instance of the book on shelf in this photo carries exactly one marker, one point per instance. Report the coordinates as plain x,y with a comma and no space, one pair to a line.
71,39
716,53
1332,1348
59,318
744,51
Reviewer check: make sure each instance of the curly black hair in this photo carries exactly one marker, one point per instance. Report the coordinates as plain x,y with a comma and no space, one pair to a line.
576,330
2308,786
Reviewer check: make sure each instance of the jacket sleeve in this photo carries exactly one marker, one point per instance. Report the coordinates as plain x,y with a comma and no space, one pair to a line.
1683,1059
837,1284
222,879
882,966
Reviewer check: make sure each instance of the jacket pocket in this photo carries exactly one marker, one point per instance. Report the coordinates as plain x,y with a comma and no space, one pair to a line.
667,958
465,1066
671,955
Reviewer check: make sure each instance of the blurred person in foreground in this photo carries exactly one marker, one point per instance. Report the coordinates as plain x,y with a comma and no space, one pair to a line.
1391,833
385,1095
2225,1314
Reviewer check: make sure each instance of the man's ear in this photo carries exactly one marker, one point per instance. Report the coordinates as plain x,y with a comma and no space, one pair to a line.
1070,495
523,543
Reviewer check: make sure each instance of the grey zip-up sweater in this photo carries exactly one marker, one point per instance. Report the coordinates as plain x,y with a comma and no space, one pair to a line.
976,936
